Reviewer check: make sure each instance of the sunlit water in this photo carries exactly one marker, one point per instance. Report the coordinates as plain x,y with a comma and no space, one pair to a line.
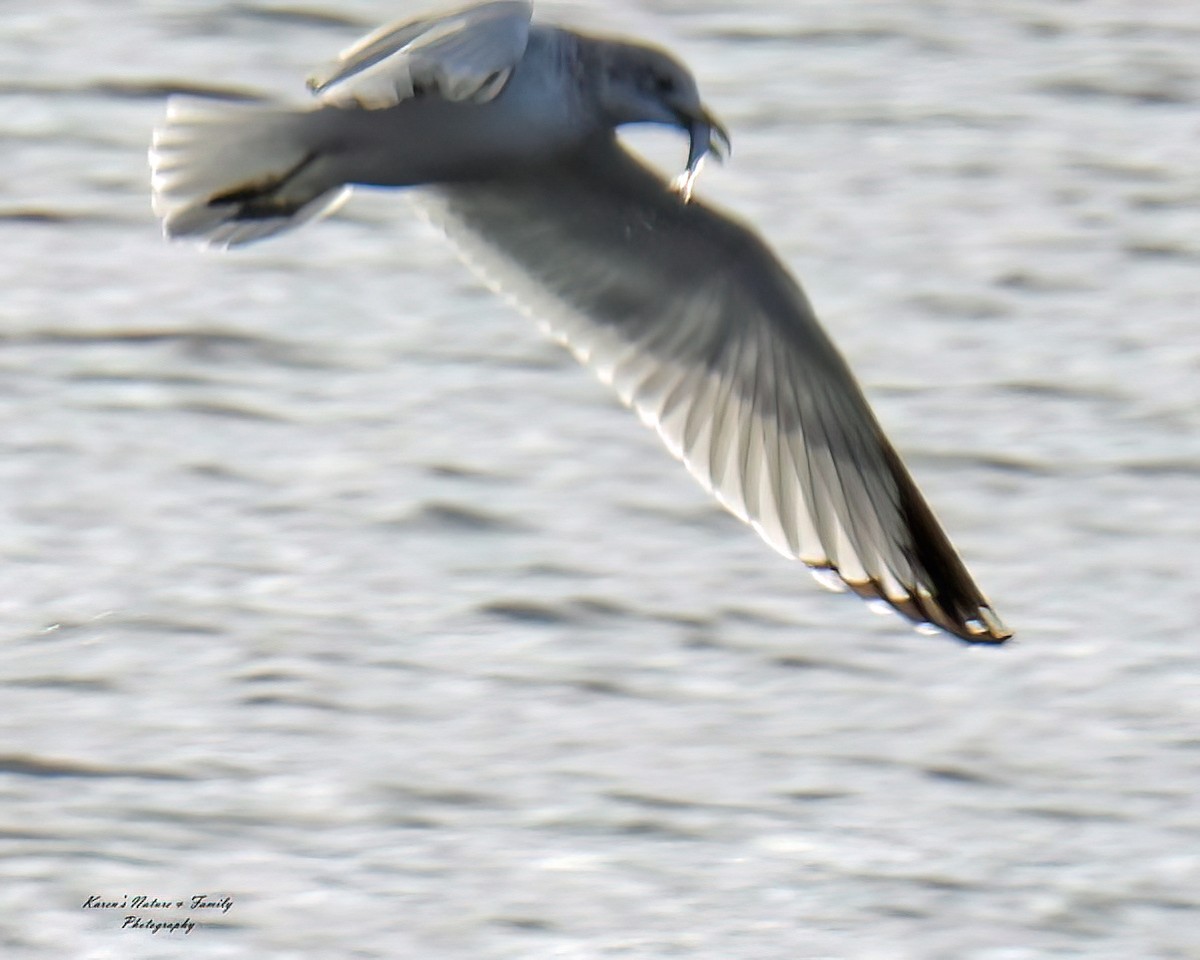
330,587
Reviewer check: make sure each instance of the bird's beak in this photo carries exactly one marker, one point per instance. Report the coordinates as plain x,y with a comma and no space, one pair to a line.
707,136
707,131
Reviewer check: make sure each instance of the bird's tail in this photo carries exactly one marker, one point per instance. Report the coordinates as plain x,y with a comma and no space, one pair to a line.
230,173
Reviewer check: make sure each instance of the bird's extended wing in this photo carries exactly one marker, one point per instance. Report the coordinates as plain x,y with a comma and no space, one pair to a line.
465,55
697,325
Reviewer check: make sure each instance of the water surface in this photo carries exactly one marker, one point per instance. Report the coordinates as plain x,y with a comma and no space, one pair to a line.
329,586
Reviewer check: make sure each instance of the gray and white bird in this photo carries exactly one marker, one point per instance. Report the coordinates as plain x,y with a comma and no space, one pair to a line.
509,130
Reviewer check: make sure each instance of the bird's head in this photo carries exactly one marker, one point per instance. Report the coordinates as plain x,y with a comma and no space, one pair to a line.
644,85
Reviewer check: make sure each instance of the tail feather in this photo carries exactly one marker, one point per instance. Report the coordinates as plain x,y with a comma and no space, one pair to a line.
231,173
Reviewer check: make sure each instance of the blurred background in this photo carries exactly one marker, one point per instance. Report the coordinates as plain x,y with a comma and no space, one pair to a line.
328,585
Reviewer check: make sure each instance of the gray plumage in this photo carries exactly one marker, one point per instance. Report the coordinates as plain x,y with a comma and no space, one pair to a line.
509,129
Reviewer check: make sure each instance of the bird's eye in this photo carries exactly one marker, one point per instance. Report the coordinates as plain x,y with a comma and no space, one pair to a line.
664,84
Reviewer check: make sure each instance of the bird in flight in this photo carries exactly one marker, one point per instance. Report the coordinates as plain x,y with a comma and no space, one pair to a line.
506,130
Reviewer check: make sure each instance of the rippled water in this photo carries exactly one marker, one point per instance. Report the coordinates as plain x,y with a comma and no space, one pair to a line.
330,587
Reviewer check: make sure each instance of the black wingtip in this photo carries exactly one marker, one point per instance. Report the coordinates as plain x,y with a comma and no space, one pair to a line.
947,597
929,614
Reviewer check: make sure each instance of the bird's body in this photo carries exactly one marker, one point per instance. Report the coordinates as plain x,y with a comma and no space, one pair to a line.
425,139
509,128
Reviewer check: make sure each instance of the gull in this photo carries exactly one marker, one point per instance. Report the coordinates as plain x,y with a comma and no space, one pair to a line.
507,130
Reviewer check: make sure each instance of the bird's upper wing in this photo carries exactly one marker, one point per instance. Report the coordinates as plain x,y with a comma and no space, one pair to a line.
697,325
465,55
